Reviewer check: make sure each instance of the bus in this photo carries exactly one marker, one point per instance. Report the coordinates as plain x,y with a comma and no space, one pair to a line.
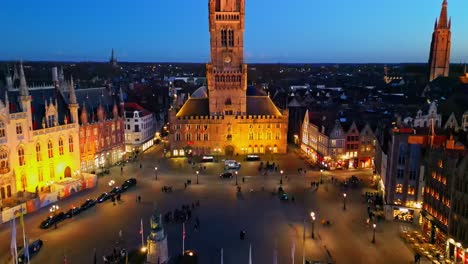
252,158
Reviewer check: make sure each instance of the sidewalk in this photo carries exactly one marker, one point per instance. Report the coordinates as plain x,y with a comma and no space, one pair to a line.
419,244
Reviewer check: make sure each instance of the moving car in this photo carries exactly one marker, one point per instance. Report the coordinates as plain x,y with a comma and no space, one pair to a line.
33,249
103,197
88,204
129,183
207,159
252,158
284,197
226,175
232,164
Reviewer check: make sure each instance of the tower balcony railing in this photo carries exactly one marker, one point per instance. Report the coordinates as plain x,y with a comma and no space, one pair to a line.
228,16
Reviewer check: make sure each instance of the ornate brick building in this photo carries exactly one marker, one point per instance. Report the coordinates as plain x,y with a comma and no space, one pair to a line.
229,117
439,57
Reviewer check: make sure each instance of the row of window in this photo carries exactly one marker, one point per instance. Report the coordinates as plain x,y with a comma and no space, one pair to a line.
411,174
227,38
399,189
228,78
205,127
95,130
88,144
5,164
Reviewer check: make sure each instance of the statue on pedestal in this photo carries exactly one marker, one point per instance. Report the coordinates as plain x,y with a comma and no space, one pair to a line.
157,240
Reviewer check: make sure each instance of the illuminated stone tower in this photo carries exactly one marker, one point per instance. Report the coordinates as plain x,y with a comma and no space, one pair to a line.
439,57
227,73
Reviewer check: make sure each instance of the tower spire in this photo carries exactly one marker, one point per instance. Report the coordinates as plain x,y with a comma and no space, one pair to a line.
23,88
443,18
72,91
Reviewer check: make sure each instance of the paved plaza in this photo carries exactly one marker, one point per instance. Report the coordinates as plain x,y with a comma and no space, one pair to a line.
223,213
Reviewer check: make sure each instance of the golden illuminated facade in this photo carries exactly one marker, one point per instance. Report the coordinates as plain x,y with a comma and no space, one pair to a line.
38,138
228,117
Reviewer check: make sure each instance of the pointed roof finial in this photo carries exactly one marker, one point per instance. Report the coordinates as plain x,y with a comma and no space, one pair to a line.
443,18
72,91
23,88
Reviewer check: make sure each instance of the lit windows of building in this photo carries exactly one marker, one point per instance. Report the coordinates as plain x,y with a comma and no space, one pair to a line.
4,163
38,152
19,129
61,146
399,188
177,136
50,149
70,144
21,159
2,130
411,190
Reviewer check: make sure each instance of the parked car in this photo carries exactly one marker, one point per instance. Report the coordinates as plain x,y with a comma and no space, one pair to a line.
226,175
73,211
284,197
88,204
129,183
103,197
33,249
51,220
115,191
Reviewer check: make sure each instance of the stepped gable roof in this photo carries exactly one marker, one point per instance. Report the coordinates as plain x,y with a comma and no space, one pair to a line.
91,98
325,119
261,105
194,107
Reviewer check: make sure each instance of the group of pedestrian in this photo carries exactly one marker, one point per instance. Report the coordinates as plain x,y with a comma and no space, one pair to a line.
183,215
116,198
117,256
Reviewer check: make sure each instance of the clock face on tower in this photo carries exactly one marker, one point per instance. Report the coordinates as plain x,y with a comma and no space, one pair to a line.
227,59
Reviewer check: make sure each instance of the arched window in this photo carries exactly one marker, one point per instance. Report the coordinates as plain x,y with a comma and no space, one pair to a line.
2,130
38,152
50,149
222,78
4,163
224,38
230,38
61,146
70,144
21,159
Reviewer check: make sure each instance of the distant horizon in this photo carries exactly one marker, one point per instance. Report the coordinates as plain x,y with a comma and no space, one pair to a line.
276,31
188,62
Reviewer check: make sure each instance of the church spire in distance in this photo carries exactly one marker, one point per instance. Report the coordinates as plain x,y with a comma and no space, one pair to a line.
439,56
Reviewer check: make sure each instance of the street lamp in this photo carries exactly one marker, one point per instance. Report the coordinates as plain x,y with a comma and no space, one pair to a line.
54,208
344,201
197,176
312,215
111,183
155,173
281,177
236,177
321,175
373,234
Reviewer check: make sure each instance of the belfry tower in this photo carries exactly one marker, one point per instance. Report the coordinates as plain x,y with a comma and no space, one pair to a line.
227,73
439,57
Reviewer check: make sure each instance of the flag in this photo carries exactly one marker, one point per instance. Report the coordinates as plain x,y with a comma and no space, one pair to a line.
183,230
250,254
141,226
14,249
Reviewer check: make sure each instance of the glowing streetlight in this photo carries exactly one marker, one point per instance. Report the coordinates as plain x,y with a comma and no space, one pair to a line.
111,183
236,177
373,232
155,173
344,201
281,177
312,215
197,176
321,175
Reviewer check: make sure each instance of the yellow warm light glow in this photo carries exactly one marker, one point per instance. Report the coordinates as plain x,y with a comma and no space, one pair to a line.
143,249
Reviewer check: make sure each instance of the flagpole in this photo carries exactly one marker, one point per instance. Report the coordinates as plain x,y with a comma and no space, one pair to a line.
303,242
250,254
25,245
183,238
222,256
142,240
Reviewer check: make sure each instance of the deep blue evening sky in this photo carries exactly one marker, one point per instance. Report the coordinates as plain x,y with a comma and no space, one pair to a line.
276,30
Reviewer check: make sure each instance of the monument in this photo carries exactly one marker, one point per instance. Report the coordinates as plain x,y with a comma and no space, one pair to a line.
157,241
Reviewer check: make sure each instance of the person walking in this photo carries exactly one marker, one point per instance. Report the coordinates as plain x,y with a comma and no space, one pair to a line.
139,198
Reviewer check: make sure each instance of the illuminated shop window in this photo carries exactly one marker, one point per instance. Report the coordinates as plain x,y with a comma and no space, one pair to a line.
399,188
